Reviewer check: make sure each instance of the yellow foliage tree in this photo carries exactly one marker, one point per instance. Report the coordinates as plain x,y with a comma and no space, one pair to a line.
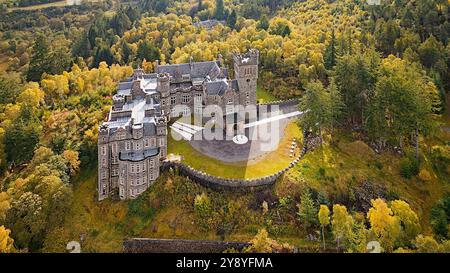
341,224
408,219
72,157
383,224
6,242
324,220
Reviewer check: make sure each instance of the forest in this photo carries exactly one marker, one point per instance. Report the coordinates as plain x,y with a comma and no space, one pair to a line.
375,79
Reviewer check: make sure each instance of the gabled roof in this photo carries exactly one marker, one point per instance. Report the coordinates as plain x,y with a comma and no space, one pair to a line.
194,69
216,87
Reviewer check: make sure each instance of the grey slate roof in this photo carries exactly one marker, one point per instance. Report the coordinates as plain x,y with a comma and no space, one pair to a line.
194,69
216,87
149,129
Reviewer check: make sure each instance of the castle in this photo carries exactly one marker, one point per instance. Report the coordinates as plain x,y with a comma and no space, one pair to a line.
133,142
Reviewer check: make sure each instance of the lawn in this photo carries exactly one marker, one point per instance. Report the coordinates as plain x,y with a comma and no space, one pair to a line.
270,164
263,96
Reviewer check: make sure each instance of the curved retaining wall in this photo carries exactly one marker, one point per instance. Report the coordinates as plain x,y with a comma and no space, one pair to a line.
220,183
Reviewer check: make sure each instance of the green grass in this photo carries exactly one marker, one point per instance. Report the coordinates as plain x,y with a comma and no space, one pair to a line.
270,164
263,96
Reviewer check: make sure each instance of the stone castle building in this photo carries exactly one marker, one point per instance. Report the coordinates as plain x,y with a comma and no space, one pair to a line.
133,141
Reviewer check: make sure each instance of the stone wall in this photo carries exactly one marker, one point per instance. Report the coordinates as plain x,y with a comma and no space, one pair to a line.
220,183
148,245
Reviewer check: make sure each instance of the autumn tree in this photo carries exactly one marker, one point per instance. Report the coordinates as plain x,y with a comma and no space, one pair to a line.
324,220
409,221
6,242
341,225
26,220
384,224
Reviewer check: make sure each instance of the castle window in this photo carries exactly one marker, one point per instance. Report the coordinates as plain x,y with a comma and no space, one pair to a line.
132,168
173,100
198,110
132,181
104,161
127,145
114,159
153,142
230,100
198,97
114,147
103,174
248,95
146,143
103,150
137,146
115,172
185,98
138,168
161,142
186,111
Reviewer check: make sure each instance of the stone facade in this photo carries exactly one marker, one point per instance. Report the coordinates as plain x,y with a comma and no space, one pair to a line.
133,142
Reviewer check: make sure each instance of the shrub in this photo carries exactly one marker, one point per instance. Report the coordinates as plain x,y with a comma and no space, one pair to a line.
378,165
322,172
409,167
424,175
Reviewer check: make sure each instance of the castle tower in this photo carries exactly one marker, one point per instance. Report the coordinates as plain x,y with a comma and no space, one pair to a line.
163,87
104,185
161,132
246,74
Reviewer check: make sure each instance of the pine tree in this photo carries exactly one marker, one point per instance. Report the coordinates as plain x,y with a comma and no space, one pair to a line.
231,20
39,62
307,210
263,23
330,52
219,12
